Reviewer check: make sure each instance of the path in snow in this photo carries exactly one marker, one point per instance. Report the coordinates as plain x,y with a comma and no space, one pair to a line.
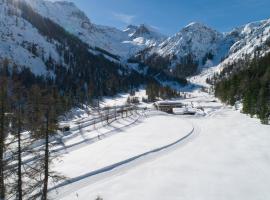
87,135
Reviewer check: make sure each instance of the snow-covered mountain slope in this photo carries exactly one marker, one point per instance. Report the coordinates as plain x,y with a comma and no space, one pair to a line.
22,44
196,39
110,39
251,38
144,35
197,47
244,42
194,47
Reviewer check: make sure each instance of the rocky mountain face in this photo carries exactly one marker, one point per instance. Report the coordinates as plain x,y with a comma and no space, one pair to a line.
195,39
144,35
181,55
250,40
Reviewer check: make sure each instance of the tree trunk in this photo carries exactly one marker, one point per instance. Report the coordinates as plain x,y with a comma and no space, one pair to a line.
20,193
2,137
46,160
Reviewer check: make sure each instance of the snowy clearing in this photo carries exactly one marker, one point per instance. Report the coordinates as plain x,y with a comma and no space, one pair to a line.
134,143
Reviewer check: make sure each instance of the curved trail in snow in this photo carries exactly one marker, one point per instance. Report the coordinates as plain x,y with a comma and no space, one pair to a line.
87,141
74,184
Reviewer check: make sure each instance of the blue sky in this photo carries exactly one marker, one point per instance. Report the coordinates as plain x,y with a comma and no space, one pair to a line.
169,16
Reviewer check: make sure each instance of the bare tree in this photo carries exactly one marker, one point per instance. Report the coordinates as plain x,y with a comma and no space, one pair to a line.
18,110
3,102
3,109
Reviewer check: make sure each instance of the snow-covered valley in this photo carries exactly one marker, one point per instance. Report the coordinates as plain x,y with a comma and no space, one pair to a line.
92,112
228,159
223,154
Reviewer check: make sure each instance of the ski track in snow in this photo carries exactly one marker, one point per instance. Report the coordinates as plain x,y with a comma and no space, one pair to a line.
88,140
74,184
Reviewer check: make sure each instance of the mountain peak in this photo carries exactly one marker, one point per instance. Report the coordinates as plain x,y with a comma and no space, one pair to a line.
66,3
196,25
197,29
131,29
142,29
132,26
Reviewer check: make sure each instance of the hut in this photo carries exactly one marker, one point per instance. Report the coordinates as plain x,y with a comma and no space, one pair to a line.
168,106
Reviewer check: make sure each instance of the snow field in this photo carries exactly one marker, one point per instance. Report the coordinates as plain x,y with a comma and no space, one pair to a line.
151,133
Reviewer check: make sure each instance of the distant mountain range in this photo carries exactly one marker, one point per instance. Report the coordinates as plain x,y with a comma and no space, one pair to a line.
141,49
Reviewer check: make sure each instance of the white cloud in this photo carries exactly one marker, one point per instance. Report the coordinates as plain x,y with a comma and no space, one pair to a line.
127,19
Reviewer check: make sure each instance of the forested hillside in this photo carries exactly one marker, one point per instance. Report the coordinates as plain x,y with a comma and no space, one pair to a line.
249,82
85,72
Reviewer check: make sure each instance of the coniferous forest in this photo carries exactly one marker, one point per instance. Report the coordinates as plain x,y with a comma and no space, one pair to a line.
249,82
